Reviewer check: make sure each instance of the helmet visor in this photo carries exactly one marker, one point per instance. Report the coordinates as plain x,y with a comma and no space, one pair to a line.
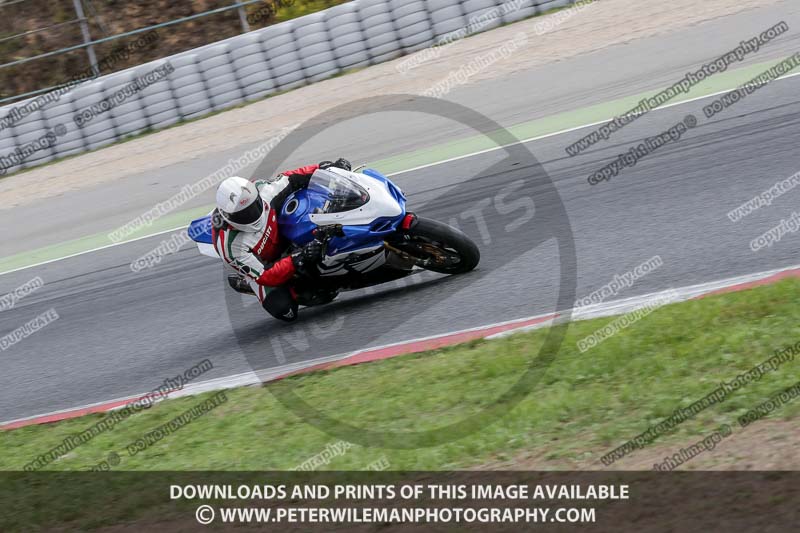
248,215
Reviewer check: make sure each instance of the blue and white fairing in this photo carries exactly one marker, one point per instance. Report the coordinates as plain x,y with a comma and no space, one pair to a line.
367,205
200,232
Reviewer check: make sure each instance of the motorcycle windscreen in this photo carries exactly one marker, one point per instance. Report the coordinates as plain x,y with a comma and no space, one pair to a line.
341,194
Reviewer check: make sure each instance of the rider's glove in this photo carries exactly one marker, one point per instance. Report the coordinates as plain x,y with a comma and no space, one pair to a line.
309,255
339,163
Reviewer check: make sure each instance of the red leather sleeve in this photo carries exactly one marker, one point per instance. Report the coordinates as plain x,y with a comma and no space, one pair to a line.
278,274
303,171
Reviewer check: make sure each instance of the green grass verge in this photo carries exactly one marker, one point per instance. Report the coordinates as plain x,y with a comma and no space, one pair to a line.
584,405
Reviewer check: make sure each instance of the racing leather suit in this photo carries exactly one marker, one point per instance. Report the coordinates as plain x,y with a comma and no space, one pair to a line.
257,255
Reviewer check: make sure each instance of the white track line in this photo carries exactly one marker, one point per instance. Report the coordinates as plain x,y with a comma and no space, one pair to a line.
615,307
626,305
76,254
258,377
576,128
421,167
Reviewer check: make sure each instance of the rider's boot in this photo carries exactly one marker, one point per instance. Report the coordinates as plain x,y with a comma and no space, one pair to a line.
240,284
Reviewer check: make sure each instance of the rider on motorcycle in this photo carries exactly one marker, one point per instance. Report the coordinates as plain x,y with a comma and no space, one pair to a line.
245,234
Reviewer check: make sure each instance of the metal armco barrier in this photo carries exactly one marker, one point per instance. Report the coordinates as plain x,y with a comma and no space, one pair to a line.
243,68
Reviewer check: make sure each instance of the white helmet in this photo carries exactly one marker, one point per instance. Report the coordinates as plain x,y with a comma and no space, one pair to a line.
240,205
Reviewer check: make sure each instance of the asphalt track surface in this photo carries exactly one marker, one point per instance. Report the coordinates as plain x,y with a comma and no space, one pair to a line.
528,94
123,333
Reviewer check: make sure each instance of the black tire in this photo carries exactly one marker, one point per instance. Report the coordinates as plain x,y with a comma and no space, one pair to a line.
462,254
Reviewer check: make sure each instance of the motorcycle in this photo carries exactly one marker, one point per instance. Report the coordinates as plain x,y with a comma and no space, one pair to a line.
368,236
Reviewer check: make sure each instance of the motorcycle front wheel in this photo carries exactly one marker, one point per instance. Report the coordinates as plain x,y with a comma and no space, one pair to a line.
439,248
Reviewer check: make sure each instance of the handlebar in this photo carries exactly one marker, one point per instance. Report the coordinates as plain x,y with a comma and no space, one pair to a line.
325,233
